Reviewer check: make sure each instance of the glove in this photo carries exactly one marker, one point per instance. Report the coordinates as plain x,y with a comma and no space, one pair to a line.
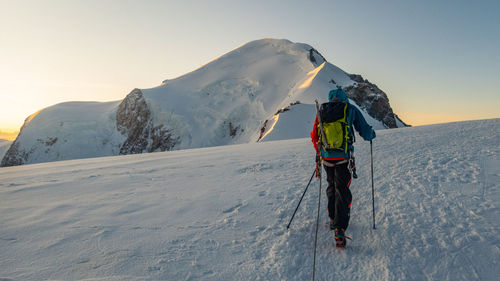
318,158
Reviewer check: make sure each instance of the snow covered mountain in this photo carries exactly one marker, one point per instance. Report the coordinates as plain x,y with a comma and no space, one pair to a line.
220,213
240,97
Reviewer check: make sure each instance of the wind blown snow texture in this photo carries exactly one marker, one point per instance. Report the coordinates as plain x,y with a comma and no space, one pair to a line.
220,213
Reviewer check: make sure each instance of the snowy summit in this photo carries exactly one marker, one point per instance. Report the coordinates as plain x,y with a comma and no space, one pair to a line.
263,90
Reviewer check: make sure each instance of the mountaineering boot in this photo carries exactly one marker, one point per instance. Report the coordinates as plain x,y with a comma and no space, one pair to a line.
340,237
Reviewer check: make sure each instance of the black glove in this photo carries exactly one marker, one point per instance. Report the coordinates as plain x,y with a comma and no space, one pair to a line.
318,158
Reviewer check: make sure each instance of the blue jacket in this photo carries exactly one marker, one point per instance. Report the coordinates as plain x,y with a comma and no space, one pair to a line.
354,119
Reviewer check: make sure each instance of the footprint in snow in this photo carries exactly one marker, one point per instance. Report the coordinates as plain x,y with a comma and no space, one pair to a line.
255,168
233,208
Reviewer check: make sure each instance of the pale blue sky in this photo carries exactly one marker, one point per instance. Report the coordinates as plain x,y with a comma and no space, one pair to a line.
438,61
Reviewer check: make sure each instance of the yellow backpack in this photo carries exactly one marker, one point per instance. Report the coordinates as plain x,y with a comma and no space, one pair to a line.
333,118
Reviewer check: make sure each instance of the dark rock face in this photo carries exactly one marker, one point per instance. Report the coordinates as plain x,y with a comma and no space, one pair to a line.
315,57
16,156
133,119
357,78
233,130
12,157
369,97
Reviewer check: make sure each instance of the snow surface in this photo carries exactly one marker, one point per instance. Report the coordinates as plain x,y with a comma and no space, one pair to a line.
220,213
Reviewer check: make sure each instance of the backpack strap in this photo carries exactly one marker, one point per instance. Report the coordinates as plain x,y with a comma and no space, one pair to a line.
349,121
323,137
331,165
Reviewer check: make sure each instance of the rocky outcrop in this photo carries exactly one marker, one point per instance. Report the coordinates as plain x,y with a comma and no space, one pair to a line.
4,146
12,157
315,57
369,97
15,156
134,120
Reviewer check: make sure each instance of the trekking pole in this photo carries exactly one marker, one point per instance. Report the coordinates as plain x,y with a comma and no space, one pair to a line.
373,190
288,226
317,225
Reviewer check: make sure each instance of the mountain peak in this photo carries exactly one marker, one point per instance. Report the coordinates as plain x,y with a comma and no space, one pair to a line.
236,98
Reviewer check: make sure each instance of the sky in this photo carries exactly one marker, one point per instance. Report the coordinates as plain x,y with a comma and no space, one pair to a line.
438,61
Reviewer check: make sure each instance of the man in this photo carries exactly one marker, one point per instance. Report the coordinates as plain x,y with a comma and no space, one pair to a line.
336,161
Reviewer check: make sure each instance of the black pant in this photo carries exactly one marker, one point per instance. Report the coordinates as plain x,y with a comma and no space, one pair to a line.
339,195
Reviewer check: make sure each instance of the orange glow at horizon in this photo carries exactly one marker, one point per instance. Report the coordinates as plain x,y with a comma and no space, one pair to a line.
9,135
421,119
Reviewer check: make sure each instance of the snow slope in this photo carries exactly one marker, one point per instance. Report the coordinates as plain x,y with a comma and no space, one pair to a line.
220,213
